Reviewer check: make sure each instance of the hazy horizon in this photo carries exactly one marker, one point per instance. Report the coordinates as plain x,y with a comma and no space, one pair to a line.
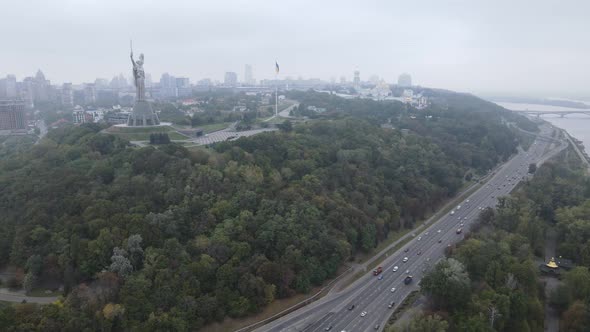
526,48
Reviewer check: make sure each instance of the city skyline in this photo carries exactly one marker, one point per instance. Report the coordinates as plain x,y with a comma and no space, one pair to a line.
462,46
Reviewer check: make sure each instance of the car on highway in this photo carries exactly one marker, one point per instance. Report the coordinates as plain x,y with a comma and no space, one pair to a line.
467,201
407,249
419,252
407,271
363,314
391,304
392,289
440,230
419,238
328,328
440,241
377,326
395,268
459,231
350,307
380,277
408,280
405,259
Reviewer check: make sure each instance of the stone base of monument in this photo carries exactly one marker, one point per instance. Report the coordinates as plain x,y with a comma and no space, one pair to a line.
143,115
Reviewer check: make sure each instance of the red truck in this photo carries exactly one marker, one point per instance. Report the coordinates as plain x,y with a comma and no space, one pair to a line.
377,271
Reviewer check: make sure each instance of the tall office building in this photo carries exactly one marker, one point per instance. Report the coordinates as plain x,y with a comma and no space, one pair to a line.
248,76
67,95
183,86
230,79
101,83
89,94
8,87
404,80
182,82
12,115
41,87
168,86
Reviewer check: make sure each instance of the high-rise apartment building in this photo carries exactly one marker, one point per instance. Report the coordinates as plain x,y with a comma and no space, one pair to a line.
248,75
8,87
230,79
89,94
67,95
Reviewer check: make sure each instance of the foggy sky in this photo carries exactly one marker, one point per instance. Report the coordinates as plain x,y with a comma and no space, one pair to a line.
485,46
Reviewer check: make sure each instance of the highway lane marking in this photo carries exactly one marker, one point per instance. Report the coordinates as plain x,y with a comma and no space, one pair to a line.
472,211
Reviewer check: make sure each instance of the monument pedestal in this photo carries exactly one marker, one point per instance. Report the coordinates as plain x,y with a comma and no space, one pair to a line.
142,115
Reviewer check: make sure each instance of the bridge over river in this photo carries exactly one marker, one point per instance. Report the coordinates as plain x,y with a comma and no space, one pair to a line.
561,114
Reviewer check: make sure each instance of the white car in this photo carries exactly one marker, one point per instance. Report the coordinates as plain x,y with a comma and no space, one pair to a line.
467,201
407,271
392,289
363,314
419,238
405,259
439,231
395,268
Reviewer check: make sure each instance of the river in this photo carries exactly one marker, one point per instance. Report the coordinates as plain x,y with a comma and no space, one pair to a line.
577,125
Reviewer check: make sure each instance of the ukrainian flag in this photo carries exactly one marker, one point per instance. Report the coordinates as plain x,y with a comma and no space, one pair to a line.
276,67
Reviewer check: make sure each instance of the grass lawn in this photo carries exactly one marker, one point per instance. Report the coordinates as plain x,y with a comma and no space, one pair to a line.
214,127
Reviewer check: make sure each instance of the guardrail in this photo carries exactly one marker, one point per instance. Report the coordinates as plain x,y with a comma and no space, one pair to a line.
289,310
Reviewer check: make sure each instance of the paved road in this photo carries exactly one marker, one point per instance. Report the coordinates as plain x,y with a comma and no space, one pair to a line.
42,130
214,137
226,135
373,295
18,296
284,113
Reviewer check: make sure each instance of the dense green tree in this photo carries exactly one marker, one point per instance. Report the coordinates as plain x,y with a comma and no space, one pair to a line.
430,323
193,236
447,284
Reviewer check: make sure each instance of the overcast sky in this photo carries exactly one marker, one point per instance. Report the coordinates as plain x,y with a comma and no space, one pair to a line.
482,46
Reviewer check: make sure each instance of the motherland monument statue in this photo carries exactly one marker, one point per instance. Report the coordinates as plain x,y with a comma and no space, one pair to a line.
143,114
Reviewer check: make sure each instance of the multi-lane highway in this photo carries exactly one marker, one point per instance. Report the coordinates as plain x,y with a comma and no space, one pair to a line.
373,295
